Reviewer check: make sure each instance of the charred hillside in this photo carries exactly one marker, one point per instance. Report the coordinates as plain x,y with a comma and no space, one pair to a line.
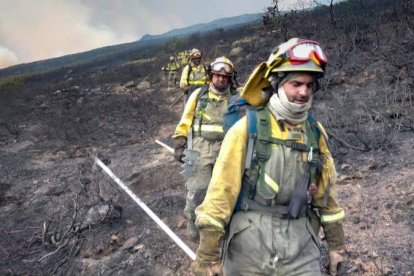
61,215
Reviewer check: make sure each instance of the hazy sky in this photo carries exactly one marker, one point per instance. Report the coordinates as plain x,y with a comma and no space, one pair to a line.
32,30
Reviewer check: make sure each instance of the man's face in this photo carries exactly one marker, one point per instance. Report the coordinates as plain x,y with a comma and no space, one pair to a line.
299,89
220,82
196,61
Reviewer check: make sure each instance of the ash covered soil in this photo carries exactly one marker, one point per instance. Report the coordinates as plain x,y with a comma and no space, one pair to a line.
62,215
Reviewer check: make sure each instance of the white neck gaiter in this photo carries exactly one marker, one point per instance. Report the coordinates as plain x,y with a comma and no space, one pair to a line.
213,89
280,106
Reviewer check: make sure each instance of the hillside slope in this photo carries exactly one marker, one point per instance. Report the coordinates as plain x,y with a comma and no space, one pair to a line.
62,215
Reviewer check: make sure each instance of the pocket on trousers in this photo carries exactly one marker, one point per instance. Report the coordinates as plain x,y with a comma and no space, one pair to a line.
235,232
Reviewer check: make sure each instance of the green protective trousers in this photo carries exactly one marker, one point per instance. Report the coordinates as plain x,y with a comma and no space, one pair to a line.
172,78
261,244
198,183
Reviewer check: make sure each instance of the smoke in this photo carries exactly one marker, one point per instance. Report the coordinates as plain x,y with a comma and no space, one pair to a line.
7,57
36,30
33,30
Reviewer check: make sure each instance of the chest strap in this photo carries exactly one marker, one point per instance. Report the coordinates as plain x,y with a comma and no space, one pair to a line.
281,211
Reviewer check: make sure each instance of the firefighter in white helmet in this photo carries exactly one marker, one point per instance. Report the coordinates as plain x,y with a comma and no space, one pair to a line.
172,68
273,184
201,129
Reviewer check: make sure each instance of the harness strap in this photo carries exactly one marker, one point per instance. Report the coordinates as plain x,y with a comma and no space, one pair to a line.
280,211
264,135
314,163
247,204
202,105
289,143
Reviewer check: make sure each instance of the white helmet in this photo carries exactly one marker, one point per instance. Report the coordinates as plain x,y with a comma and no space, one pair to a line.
195,53
222,66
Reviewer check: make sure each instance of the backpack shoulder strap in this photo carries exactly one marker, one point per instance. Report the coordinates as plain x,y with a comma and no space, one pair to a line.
263,135
190,68
251,115
314,127
203,92
233,91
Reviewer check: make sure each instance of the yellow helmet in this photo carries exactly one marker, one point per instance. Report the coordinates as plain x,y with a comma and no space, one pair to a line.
222,66
295,55
195,53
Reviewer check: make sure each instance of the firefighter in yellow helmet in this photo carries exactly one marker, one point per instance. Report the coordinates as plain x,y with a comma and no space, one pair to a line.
172,68
201,130
184,57
273,184
194,74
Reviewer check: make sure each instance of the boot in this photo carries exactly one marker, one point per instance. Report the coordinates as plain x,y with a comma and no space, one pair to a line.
192,230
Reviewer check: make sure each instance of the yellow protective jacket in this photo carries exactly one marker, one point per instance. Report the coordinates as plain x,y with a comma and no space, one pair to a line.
226,181
184,58
196,76
211,116
172,66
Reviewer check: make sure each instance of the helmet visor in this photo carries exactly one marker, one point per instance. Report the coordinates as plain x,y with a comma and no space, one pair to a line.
221,67
304,50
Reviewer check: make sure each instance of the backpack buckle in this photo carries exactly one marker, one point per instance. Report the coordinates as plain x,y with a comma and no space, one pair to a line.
310,154
291,143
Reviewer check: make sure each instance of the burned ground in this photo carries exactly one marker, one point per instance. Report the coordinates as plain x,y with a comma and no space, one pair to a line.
62,215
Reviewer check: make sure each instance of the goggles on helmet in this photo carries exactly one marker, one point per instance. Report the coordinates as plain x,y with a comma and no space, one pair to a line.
222,67
303,55
303,51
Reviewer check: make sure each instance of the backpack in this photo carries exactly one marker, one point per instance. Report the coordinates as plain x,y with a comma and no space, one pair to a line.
259,151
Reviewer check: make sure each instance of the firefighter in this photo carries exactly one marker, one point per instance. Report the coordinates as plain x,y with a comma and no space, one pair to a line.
201,129
184,57
270,192
172,68
194,74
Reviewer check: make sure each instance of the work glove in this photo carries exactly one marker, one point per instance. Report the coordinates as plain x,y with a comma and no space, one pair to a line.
185,89
335,258
179,147
191,88
334,235
208,256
